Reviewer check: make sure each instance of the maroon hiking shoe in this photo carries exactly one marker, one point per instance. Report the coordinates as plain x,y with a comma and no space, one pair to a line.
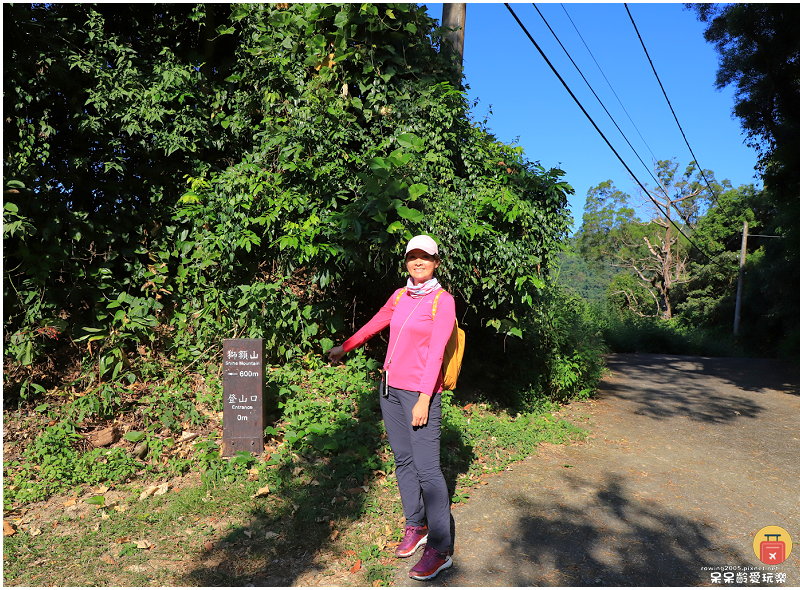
415,536
432,563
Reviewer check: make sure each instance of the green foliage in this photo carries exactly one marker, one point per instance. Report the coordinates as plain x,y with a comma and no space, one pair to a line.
278,168
375,573
574,274
626,293
624,331
216,470
654,250
333,412
757,49
708,299
608,221
557,358
168,407
186,173
53,464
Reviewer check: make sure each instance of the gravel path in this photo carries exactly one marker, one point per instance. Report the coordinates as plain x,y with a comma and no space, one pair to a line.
687,460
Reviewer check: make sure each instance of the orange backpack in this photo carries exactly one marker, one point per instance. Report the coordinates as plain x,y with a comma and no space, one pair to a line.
453,353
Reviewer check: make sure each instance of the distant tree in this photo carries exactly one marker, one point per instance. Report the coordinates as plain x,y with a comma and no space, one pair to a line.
708,298
652,250
626,292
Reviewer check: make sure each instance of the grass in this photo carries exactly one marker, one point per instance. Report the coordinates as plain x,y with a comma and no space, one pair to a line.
625,332
321,504
314,524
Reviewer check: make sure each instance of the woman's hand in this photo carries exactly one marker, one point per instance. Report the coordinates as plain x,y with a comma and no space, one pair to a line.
335,354
419,414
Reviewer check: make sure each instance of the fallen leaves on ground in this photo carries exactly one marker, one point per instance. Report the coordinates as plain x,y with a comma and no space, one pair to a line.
8,529
356,567
158,490
147,492
261,492
108,559
144,544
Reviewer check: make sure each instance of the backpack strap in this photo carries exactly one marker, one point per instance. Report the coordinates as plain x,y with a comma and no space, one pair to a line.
435,303
399,295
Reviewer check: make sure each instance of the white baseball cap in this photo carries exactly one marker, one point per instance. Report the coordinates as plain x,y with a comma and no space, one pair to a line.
424,243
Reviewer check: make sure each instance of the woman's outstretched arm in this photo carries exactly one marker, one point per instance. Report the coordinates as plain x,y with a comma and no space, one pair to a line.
378,322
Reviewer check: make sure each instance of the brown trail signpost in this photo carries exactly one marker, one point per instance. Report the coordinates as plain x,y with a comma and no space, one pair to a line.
243,387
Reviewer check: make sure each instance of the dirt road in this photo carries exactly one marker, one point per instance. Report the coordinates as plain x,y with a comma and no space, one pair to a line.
687,460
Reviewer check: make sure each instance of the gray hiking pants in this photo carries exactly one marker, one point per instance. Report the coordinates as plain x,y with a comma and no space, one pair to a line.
423,489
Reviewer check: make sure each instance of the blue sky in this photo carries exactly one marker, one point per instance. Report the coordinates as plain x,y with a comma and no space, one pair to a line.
528,103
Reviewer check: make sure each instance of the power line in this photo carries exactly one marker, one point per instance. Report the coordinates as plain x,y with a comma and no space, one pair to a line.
702,173
593,92
657,204
607,82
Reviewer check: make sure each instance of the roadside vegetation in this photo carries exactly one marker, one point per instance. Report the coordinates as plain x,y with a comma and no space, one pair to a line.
652,288
320,500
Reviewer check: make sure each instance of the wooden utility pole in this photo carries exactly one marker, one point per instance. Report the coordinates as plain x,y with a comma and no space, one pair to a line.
454,16
741,280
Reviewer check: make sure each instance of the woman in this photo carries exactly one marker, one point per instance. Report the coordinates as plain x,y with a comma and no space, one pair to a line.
412,406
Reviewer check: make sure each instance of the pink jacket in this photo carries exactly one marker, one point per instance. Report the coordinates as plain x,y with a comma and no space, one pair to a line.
415,364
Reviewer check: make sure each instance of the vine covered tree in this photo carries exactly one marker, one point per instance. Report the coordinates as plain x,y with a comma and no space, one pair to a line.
179,173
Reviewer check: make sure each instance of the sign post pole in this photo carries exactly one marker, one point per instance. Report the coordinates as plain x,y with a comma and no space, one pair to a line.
243,388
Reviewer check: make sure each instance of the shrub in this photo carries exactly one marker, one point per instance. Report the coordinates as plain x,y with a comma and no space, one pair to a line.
557,358
624,331
54,464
